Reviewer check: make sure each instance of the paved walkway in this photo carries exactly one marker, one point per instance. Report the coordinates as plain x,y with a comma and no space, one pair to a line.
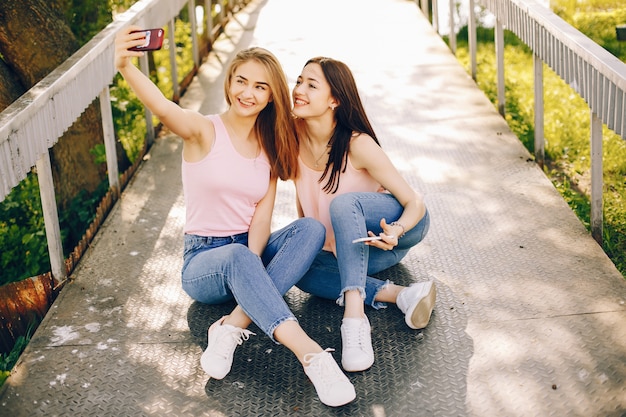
530,319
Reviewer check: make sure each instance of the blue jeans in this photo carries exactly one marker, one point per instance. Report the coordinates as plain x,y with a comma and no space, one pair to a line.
352,215
219,269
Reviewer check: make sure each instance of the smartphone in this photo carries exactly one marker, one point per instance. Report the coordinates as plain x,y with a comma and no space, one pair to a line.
153,40
367,239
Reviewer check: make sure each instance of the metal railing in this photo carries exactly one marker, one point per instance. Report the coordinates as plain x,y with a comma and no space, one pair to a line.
594,73
33,124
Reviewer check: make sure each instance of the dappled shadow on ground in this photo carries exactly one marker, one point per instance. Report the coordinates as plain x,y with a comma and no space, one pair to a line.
413,369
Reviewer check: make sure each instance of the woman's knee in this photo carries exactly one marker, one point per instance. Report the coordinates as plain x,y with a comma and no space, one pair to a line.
217,260
237,251
344,203
312,227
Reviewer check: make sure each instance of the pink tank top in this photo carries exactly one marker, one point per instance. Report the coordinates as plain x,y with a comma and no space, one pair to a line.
223,189
316,203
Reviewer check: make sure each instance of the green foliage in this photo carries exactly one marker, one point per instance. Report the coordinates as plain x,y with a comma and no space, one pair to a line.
22,233
76,218
600,27
128,118
566,119
86,17
99,154
576,200
597,19
184,54
8,361
128,111
119,6
23,244
22,230
162,75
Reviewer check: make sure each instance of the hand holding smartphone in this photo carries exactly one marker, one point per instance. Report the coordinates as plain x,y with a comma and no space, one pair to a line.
152,42
367,239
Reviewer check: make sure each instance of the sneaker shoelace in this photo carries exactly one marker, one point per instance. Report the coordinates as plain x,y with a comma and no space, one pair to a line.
223,348
355,336
326,369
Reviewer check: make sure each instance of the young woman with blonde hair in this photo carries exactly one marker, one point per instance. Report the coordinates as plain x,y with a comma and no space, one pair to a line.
231,162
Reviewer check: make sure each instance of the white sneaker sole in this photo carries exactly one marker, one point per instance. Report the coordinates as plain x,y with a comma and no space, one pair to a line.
340,393
420,316
205,363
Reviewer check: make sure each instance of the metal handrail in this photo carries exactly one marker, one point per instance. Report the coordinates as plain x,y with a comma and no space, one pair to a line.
594,73
33,124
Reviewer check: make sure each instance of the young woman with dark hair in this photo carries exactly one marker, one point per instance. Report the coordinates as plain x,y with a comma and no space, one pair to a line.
348,182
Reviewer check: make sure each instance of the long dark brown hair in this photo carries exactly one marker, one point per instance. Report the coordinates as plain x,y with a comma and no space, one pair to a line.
349,114
274,125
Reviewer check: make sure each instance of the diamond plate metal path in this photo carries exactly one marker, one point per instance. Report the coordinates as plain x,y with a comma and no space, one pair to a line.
530,318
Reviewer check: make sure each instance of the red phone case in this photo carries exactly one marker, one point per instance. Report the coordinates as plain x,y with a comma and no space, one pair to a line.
154,40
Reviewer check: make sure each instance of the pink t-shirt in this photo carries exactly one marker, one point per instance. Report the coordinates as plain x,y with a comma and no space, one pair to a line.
223,189
316,203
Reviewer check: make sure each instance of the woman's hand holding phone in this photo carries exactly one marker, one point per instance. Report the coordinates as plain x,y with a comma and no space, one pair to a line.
152,40
367,239
133,41
381,241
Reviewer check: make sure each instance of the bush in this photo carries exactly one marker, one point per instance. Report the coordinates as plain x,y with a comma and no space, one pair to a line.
22,233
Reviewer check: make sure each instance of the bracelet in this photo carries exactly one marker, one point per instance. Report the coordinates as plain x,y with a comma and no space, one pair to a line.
399,224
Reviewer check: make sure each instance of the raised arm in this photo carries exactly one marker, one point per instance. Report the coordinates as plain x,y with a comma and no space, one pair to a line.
184,123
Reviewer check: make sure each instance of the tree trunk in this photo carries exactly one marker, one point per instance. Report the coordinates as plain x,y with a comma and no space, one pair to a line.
22,306
10,86
34,40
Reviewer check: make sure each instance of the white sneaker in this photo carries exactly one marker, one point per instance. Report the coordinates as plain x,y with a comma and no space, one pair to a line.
356,344
332,386
217,359
417,303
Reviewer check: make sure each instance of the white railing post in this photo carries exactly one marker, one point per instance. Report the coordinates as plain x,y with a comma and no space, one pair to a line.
51,218
499,41
171,26
208,12
436,15
539,111
424,6
452,35
191,6
108,131
597,182
471,33
145,68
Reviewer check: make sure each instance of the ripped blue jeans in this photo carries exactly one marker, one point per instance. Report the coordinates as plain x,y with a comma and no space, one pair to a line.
352,215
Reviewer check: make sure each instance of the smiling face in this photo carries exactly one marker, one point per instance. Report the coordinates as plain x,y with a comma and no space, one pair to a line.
249,89
311,94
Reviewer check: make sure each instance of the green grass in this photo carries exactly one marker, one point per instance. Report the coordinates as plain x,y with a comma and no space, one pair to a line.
567,134
8,361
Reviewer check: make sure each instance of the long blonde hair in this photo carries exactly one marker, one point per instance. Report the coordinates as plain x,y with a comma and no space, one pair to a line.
274,125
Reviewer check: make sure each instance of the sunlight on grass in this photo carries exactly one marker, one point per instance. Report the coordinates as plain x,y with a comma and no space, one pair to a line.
567,130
